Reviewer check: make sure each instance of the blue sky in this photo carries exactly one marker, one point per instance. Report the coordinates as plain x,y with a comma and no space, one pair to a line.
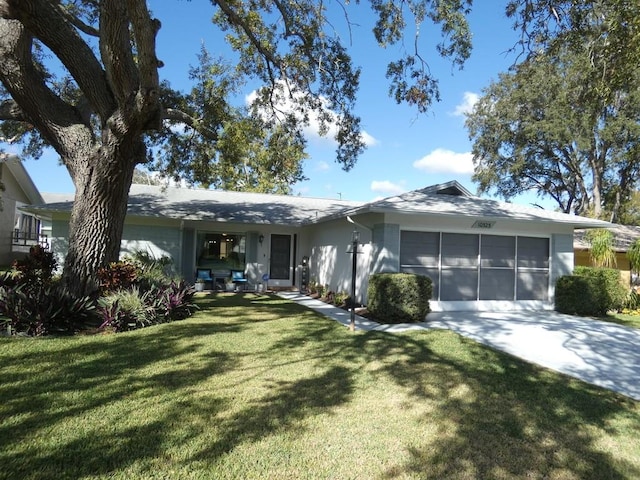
407,150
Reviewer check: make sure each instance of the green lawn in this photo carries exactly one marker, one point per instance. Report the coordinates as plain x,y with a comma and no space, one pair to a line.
624,319
257,387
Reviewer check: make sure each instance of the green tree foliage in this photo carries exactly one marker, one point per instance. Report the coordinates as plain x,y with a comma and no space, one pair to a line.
630,210
609,30
240,150
83,77
542,128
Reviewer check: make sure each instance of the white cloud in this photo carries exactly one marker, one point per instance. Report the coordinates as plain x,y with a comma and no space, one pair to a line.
311,131
369,140
468,101
446,161
322,166
385,186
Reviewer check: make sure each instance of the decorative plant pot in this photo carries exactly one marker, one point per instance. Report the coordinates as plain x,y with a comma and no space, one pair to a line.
230,287
199,287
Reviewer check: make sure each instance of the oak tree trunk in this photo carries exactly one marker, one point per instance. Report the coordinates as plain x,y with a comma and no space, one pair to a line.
98,214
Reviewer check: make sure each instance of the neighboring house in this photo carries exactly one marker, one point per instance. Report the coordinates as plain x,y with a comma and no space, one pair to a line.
481,254
623,238
18,230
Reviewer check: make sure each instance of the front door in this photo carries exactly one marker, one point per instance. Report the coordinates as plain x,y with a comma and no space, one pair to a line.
280,264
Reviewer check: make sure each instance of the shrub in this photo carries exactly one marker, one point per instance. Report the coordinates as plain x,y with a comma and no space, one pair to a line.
135,308
36,268
632,302
399,297
590,291
173,301
152,272
118,276
126,310
614,291
34,303
47,309
312,287
341,298
580,295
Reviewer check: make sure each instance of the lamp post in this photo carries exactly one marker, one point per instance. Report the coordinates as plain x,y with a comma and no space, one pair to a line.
354,263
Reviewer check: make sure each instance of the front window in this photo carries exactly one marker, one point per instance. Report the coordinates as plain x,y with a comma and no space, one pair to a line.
221,250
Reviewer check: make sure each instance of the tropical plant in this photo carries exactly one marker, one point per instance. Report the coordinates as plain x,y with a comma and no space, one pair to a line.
118,276
35,303
45,310
633,254
601,247
173,301
124,310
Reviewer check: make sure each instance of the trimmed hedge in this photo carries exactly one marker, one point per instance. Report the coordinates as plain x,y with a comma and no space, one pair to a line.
578,295
590,291
614,290
399,297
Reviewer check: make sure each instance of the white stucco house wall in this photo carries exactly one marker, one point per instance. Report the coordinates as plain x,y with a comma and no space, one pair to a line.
481,254
18,229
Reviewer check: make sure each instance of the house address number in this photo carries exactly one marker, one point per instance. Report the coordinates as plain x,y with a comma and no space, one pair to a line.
483,224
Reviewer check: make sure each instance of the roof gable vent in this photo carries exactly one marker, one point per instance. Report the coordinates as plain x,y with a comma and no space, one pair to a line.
450,191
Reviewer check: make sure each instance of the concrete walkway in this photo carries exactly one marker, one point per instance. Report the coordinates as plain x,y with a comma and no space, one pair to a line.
601,353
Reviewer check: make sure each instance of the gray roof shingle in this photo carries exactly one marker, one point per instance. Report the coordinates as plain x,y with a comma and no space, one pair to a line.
448,199
451,199
216,205
623,237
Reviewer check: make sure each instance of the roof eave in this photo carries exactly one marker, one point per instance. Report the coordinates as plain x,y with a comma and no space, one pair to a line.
16,167
580,222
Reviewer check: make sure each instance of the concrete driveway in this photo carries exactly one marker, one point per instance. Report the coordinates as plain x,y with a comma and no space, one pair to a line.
601,353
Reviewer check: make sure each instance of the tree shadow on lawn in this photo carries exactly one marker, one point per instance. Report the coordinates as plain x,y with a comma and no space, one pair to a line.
91,373
498,416
284,409
232,308
74,377
508,419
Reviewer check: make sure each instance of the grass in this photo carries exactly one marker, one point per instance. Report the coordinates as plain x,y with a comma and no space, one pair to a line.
624,319
257,387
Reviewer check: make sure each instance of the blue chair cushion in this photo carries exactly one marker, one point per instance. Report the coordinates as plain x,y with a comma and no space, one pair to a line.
237,276
204,274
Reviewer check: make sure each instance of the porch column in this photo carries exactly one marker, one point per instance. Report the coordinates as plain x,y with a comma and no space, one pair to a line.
386,248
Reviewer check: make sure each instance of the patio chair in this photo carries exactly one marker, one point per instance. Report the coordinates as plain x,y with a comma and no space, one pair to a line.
238,279
204,274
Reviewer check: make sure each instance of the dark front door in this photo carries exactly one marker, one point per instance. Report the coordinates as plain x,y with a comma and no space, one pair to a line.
280,266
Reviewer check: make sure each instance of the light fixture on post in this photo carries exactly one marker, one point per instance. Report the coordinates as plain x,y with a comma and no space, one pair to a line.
261,239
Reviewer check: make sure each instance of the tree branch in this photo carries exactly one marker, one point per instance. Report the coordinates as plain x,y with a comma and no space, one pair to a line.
145,30
182,117
46,21
116,50
235,19
80,25
53,118
10,110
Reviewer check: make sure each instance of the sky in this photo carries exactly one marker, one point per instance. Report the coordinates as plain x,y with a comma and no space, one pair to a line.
406,150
